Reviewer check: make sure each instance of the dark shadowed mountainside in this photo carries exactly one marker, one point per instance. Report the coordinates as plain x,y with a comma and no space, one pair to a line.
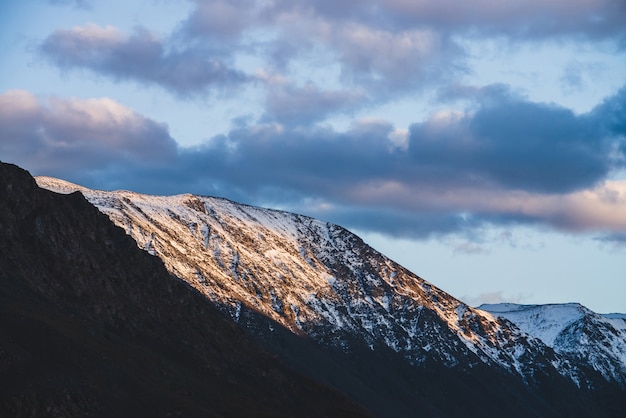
90,325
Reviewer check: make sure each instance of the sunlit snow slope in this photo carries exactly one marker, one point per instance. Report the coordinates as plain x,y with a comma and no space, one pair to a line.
319,280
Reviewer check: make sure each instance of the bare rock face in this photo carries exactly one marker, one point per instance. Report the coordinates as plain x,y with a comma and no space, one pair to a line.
91,325
341,312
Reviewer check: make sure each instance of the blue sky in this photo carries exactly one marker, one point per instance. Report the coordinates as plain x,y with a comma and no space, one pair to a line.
481,144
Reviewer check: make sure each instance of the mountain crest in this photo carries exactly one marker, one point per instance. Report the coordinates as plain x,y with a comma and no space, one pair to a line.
321,281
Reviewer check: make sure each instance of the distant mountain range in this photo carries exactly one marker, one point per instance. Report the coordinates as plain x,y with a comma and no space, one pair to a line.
338,314
573,331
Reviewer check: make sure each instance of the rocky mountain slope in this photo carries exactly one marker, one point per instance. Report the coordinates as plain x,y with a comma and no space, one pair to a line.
273,271
91,326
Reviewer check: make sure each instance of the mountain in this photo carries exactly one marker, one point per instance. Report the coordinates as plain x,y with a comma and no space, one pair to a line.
337,310
92,326
595,340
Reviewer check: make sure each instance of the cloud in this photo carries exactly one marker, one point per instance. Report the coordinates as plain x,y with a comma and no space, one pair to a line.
525,20
376,48
397,58
219,19
421,38
417,212
66,136
515,144
369,53
290,104
452,174
141,57
470,248
610,115
495,297
617,239
399,46
599,208
531,19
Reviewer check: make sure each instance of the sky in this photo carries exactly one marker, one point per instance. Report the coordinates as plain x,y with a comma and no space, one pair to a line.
480,144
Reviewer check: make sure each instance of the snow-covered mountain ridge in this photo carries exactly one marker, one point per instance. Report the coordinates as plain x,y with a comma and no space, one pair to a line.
320,280
574,330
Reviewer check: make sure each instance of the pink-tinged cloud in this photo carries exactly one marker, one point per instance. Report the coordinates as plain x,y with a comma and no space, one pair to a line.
64,135
601,208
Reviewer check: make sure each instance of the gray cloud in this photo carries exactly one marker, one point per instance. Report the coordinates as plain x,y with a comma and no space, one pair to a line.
380,58
527,20
398,222
509,171
67,136
141,57
221,19
515,144
610,116
532,19
508,161
382,47
617,239
397,44
289,104
370,52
